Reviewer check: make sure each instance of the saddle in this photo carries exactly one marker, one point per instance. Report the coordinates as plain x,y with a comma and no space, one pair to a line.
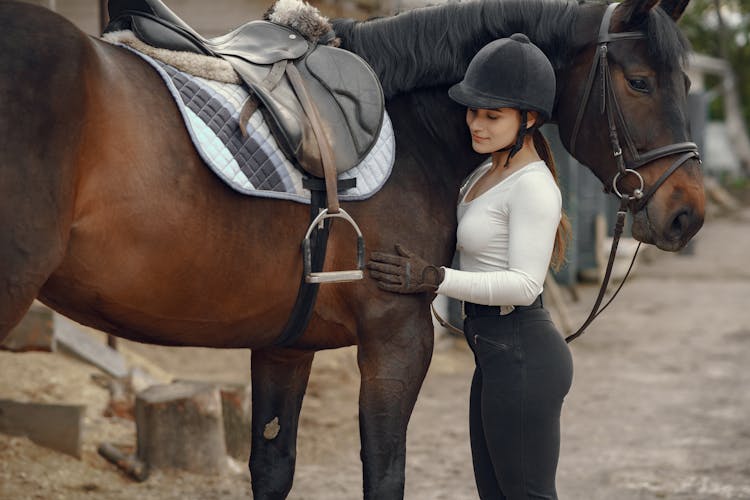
324,105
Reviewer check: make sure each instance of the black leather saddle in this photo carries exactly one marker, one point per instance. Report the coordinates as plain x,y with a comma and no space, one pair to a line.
323,105
283,69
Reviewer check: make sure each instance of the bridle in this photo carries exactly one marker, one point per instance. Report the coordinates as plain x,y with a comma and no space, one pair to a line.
609,105
640,196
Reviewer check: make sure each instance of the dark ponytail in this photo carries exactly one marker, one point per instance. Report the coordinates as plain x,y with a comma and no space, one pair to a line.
563,229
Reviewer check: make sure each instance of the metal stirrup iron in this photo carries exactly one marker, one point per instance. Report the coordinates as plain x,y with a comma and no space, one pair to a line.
333,210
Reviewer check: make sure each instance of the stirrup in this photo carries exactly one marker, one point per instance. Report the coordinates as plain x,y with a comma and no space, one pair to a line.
333,276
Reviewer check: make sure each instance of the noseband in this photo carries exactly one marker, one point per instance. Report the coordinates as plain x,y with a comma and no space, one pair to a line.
638,199
611,107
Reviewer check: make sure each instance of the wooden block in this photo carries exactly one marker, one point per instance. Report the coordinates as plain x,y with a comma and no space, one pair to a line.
51,425
237,417
126,462
180,426
235,409
73,339
600,232
719,195
35,332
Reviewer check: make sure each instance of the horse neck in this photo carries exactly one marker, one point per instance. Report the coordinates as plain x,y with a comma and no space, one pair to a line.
419,54
432,46
432,138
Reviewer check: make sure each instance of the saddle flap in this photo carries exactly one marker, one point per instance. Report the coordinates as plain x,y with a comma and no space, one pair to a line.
261,42
348,97
280,109
354,88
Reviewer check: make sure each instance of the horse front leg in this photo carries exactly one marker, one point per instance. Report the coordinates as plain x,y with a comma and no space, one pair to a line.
279,380
34,229
394,354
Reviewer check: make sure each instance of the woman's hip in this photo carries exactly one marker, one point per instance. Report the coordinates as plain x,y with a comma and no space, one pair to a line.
525,339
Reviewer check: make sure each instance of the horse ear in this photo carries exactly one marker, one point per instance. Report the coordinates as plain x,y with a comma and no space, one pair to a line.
634,12
675,8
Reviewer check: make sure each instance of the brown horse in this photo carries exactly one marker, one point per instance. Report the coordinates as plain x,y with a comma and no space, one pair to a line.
109,216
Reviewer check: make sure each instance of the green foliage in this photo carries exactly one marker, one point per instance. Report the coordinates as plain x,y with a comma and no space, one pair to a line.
700,25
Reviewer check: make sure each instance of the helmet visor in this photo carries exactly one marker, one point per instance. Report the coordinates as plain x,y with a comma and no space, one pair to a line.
473,98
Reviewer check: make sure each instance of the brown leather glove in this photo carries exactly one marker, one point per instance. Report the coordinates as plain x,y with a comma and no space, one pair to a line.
405,272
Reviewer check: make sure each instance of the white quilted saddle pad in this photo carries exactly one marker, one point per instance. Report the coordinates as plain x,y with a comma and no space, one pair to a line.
254,164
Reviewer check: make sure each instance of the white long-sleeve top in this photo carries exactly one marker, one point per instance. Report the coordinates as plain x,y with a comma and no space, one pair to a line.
505,238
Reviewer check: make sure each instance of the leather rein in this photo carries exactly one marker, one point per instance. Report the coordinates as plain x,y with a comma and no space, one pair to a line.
638,199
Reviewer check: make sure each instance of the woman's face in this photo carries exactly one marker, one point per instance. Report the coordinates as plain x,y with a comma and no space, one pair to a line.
492,129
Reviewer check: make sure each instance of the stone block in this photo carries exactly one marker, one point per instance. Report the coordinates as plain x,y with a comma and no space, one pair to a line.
54,426
180,426
72,339
235,405
35,332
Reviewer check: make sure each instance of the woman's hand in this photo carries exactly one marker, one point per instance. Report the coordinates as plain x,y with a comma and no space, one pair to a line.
405,272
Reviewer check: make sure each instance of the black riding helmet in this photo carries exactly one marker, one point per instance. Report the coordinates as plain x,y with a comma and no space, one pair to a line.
509,73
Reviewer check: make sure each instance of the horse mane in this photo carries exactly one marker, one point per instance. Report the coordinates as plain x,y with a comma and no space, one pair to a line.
431,46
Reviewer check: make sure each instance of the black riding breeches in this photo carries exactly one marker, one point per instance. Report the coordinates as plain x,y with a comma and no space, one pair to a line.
523,372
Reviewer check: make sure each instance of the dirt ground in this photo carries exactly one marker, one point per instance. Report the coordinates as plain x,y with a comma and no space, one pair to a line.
659,409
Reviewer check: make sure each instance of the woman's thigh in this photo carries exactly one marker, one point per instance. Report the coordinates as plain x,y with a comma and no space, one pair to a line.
527,369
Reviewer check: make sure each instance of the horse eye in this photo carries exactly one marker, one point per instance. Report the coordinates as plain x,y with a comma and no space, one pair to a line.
638,84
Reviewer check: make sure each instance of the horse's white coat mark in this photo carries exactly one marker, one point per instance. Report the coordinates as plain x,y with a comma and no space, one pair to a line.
272,429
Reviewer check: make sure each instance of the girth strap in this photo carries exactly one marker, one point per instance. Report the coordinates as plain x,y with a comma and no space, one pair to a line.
307,294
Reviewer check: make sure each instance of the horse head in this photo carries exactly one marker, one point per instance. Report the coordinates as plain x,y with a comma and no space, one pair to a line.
627,85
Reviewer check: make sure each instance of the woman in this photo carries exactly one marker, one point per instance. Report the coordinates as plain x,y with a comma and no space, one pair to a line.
510,228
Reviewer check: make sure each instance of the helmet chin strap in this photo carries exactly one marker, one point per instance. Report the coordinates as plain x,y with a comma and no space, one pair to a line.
516,147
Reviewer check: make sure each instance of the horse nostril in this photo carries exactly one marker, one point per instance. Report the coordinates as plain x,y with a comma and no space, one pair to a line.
678,223
682,226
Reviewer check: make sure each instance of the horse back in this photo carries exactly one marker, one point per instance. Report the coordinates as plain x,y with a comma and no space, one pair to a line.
152,246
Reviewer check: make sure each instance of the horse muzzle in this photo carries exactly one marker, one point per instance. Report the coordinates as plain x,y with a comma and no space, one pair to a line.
670,228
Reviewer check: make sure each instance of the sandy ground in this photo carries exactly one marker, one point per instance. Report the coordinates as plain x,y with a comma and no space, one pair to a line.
659,408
